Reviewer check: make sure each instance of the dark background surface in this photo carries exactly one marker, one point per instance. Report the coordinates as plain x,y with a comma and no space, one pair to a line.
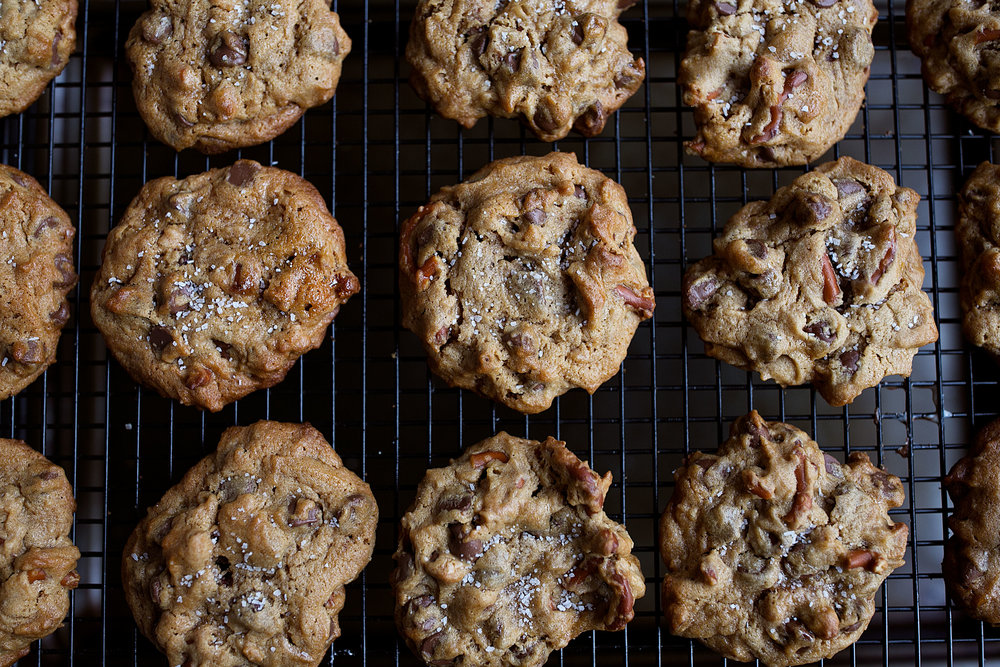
376,154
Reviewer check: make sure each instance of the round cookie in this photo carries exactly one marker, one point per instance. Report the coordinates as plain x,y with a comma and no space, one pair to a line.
37,557
35,275
218,76
956,41
522,282
820,284
36,40
971,564
978,233
245,560
212,286
555,64
506,555
775,82
774,550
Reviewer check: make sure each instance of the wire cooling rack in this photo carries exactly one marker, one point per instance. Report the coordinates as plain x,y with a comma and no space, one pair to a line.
376,154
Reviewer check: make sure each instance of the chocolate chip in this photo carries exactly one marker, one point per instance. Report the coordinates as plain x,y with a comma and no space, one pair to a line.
847,186
513,60
818,205
625,4
428,645
824,3
543,120
421,602
228,49
522,342
61,315
577,33
725,8
757,248
795,79
479,42
335,47
697,293
20,178
849,360
64,265
821,330
160,337
535,216
766,154
591,121
624,79
156,29
309,518
49,474
180,298
832,464
27,352
579,192
460,503
242,173
50,222
223,348
154,589
181,120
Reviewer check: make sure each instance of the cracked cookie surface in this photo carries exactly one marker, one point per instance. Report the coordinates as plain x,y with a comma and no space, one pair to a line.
222,75
245,560
522,282
958,43
212,286
821,284
36,40
37,558
773,549
971,564
35,275
555,64
978,234
506,555
775,82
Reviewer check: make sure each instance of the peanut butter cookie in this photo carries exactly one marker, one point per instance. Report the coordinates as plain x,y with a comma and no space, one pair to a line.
978,232
36,40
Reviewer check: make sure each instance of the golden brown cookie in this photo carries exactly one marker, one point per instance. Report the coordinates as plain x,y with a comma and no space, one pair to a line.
774,550
978,234
217,75
971,564
245,560
36,274
37,557
821,284
775,82
506,555
212,286
36,40
957,41
522,282
555,64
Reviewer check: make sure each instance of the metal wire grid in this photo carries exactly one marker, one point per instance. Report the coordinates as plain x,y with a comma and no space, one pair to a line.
376,154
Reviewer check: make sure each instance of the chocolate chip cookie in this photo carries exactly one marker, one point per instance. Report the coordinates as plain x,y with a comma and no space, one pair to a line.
775,82
36,273
972,554
37,557
218,76
36,40
522,282
957,42
820,284
506,555
555,64
774,550
245,560
212,286
978,232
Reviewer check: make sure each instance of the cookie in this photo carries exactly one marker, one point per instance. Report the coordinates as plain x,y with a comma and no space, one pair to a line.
37,557
212,286
218,76
245,560
522,282
956,42
775,82
774,550
36,40
555,64
971,564
978,232
36,274
819,284
506,555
